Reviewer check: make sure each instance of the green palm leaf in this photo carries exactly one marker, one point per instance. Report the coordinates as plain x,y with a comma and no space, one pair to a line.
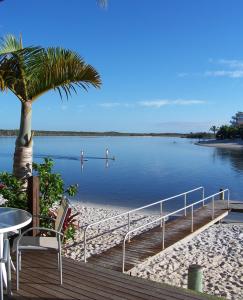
59,69
29,72
102,3
10,44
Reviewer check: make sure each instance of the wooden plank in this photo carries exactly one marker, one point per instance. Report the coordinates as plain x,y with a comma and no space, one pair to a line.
84,281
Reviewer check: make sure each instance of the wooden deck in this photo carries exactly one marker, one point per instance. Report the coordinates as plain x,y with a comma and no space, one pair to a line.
39,280
149,243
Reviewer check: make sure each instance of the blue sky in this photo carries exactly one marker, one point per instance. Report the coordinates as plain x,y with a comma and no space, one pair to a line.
166,65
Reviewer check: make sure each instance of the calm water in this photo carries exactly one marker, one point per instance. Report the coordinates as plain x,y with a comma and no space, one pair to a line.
145,169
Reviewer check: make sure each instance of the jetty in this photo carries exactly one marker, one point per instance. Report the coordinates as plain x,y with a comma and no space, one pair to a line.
107,275
150,239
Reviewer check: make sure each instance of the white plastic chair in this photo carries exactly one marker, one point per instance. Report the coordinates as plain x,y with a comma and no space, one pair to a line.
42,243
5,260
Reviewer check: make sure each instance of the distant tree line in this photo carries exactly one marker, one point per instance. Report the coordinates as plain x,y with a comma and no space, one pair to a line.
198,135
14,132
229,132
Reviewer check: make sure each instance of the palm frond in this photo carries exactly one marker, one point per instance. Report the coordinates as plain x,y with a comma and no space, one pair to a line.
62,70
10,44
102,3
13,69
29,72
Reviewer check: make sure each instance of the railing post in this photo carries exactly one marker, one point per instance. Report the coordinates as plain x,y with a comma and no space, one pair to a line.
163,234
85,245
123,255
128,227
185,204
203,196
228,200
192,220
161,213
212,207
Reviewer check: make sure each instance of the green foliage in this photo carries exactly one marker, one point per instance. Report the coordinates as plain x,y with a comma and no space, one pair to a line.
31,71
198,135
229,132
52,189
11,189
52,186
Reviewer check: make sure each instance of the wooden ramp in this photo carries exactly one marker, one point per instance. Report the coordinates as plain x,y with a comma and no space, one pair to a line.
236,206
39,280
149,243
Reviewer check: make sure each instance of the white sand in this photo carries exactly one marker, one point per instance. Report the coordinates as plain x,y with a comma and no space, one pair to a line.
102,236
219,250
226,144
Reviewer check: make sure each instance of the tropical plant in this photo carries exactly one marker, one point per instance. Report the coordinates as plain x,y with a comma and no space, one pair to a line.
52,187
29,72
70,224
11,190
214,129
52,190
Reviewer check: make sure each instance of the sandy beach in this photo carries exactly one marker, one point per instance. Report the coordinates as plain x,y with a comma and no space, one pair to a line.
226,144
219,250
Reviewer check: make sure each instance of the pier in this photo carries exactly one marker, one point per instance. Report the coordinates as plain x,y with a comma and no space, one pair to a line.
162,233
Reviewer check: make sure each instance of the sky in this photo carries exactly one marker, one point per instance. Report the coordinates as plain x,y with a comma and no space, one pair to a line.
166,65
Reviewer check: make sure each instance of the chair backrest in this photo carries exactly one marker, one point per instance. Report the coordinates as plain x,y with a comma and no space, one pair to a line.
61,214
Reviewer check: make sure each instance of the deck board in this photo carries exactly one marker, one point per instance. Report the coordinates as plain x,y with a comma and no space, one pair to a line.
39,280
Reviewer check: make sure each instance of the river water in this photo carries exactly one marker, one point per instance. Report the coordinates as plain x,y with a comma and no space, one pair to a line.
145,169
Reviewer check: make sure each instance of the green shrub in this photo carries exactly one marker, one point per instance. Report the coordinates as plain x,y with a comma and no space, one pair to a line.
52,189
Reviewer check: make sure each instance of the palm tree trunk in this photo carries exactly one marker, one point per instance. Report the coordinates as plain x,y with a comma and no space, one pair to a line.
22,166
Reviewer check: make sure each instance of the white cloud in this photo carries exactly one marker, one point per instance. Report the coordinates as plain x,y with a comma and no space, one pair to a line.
225,73
231,68
231,63
109,104
115,104
164,102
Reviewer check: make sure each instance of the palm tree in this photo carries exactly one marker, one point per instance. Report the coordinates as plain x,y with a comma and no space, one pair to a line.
214,129
29,72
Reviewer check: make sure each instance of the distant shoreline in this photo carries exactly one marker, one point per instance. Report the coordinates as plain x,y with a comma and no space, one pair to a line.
7,133
225,144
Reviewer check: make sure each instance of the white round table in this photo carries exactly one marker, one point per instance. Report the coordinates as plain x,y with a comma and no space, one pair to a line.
11,219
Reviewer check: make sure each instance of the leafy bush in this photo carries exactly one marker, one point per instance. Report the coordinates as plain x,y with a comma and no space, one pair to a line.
51,186
52,189
11,189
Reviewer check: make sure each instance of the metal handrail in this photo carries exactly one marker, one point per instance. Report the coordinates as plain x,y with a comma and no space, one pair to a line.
163,218
128,213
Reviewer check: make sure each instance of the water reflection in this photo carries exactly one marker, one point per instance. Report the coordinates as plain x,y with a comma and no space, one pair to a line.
235,157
